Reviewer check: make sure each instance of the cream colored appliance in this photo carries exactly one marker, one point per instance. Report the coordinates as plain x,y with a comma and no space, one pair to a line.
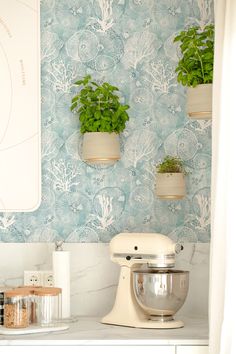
149,292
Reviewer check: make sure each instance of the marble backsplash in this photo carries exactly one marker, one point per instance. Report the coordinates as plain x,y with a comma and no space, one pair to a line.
94,277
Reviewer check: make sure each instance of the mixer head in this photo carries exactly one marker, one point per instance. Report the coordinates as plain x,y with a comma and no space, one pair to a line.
156,250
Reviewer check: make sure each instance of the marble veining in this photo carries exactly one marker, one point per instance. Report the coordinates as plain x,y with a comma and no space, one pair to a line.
94,277
88,331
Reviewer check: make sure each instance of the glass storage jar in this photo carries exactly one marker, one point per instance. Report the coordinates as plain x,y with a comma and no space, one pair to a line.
16,308
32,300
48,305
2,292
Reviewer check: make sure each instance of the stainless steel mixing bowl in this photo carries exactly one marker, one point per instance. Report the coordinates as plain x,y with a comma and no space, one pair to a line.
160,293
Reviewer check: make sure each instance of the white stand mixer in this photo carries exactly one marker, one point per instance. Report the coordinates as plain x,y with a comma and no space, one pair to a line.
131,251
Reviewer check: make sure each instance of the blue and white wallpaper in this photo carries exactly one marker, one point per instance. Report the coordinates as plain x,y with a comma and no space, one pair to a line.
129,44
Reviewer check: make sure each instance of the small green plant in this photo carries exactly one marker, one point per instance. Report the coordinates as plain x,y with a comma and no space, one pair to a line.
99,108
197,48
171,164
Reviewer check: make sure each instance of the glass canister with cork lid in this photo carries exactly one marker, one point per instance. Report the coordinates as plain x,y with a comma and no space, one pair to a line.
48,305
32,314
2,292
16,308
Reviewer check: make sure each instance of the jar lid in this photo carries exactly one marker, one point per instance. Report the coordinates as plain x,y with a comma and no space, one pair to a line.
4,289
47,291
17,292
30,288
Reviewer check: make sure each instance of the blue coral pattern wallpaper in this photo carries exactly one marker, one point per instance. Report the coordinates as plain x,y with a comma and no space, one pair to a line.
128,43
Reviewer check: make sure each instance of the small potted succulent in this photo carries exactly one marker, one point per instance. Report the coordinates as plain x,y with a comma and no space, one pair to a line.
170,178
195,69
102,118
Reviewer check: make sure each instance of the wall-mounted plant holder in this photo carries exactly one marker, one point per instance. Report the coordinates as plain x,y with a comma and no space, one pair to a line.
199,101
170,182
101,148
170,186
195,69
103,118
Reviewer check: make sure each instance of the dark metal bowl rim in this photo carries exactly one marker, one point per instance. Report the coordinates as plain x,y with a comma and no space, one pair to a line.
160,271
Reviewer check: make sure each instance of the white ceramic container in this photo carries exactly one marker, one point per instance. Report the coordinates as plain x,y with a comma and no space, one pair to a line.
170,185
199,102
99,147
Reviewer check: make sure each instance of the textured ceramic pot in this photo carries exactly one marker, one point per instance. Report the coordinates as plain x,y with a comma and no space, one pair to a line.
99,147
199,101
170,185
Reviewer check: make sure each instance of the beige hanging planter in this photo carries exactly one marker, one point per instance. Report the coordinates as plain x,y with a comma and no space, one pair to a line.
170,185
100,147
199,101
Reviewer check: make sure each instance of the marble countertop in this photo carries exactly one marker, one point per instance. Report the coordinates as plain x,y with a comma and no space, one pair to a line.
89,331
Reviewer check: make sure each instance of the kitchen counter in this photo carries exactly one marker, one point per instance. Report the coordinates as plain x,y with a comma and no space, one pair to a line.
89,331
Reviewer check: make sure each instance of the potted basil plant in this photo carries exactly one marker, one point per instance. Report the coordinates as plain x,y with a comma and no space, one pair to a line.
195,69
170,182
102,118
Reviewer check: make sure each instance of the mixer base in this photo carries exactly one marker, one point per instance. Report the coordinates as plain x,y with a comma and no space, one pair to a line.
147,324
161,318
165,324
161,325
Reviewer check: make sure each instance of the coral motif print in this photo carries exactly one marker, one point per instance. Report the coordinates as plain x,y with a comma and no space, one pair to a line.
6,220
200,219
129,44
203,219
140,48
63,175
161,76
61,76
140,147
106,219
204,9
108,206
51,45
106,21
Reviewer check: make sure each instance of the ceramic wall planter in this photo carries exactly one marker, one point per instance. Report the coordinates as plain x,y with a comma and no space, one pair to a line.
170,185
99,147
199,101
